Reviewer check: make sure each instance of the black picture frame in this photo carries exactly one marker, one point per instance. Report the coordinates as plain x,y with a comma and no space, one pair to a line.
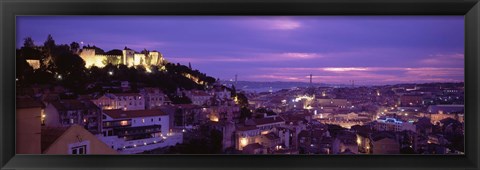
11,8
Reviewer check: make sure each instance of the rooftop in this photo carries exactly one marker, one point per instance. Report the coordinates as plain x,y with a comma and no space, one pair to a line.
269,120
118,113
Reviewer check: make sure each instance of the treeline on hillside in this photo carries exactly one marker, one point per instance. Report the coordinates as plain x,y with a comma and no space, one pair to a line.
61,65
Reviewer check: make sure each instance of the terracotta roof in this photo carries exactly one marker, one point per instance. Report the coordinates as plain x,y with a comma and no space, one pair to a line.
268,120
118,113
126,94
246,128
200,93
252,146
381,135
187,106
152,90
50,135
271,136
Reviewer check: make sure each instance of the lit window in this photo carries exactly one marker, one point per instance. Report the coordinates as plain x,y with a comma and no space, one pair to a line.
124,123
143,120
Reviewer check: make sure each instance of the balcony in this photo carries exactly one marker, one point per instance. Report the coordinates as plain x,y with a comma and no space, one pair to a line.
134,131
116,124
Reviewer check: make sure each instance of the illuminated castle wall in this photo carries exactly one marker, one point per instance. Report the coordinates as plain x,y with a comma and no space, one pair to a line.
128,57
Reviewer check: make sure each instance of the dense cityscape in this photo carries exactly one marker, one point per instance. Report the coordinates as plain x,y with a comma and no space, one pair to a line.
79,99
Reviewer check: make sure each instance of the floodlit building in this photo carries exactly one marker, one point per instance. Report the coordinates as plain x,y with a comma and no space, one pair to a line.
95,57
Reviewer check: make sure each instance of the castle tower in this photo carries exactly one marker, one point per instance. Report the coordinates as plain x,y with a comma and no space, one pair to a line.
128,57
154,57
88,55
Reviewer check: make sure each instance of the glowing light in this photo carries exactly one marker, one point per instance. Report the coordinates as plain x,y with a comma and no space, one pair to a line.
183,130
148,70
359,141
243,142
124,123
43,116
214,118
144,143
110,73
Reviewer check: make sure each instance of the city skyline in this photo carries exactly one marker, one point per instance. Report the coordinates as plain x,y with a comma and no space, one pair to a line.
335,49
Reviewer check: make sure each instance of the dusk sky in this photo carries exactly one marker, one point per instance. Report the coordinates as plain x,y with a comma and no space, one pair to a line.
335,49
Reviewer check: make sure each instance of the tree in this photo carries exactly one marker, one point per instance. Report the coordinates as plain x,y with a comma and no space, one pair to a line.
48,47
49,43
28,43
74,46
245,113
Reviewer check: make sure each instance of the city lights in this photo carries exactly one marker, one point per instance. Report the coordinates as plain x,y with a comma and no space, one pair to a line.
286,98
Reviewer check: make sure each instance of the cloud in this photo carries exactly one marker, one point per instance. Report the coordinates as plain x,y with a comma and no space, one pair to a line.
342,69
443,59
254,57
274,23
365,75
284,25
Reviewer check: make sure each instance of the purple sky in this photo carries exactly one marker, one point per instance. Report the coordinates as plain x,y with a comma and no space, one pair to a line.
335,49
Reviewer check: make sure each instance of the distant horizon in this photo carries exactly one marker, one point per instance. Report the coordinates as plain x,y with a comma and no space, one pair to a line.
345,84
335,49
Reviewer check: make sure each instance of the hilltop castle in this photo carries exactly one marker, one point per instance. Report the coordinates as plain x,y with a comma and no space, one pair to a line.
94,56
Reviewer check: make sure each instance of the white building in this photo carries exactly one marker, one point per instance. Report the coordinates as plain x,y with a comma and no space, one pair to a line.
125,101
137,131
392,124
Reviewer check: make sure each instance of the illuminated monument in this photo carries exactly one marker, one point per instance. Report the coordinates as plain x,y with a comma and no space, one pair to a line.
94,56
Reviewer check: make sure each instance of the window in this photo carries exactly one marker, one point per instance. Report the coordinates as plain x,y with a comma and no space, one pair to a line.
79,150
159,119
124,123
